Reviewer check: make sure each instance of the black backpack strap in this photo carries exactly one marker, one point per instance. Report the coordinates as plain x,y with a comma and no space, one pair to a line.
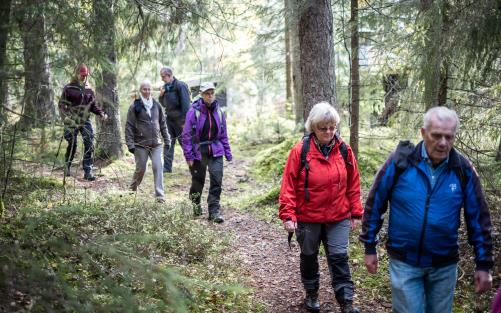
404,149
304,163
460,171
343,149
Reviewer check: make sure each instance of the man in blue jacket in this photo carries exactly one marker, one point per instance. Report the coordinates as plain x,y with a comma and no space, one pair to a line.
426,186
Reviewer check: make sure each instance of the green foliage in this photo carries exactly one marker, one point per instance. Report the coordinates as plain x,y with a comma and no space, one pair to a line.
269,164
114,255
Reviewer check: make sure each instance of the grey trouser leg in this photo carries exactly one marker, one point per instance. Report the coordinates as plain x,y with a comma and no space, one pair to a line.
141,157
335,238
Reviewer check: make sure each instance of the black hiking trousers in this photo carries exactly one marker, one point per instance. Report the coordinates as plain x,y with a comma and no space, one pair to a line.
198,172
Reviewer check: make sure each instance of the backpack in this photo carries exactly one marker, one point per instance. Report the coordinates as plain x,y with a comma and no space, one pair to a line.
404,149
304,163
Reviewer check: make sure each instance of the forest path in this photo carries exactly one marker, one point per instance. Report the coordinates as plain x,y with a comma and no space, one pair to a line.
267,263
271,267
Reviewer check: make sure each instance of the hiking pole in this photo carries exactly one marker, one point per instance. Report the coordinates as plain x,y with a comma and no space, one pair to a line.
57,153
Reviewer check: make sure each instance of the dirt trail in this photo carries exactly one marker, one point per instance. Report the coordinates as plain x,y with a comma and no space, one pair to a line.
266,260
273,268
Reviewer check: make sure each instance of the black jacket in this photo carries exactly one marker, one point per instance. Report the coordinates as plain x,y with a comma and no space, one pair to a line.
176,101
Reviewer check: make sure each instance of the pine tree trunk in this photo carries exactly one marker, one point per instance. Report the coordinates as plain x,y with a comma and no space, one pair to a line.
355,79
288,61
316,53
109,138
435,69
296,66
38,95
4,33
498,154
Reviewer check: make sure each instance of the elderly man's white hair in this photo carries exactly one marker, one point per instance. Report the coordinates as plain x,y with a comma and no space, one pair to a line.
441,114
145,82
323,113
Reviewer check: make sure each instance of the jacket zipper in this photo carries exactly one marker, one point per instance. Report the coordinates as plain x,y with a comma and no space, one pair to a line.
425,218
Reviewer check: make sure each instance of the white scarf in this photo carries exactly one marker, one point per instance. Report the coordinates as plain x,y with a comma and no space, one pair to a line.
148,104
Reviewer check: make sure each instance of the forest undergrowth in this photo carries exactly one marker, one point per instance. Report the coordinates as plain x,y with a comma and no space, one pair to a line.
96,247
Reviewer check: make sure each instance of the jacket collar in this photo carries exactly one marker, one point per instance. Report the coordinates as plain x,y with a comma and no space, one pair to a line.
417,156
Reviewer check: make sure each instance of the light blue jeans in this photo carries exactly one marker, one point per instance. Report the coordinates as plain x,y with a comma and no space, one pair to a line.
418,290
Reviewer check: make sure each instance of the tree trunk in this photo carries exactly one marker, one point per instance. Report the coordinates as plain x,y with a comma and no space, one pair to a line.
109,139
288,61
498,154
393,84
355,79
295,58
4,34
316,53
38,95
435,69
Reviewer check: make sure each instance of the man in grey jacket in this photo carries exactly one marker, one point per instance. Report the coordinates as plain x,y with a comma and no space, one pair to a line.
145,132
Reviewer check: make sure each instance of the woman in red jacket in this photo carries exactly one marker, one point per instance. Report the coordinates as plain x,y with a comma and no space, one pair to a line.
320,201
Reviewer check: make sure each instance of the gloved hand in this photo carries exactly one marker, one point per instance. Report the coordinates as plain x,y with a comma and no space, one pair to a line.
131,150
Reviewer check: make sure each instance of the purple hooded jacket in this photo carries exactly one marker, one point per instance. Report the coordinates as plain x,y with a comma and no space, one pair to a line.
193,128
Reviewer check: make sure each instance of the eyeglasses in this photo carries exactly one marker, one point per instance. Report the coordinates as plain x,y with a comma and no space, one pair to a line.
325,129
165,75
208,93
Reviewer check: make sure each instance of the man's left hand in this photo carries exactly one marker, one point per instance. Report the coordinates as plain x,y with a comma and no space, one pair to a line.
483,281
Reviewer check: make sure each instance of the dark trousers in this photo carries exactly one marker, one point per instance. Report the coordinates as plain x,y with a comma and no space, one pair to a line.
198,171
88,139
335,238
175,129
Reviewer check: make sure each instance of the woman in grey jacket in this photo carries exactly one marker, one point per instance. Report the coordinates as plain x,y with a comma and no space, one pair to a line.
145,132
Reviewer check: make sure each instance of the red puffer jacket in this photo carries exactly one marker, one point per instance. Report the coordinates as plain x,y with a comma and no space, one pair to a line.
334,187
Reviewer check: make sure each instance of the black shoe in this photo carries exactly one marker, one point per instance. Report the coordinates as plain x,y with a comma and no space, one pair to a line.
167,170
347,307
88,176
216,217
311,301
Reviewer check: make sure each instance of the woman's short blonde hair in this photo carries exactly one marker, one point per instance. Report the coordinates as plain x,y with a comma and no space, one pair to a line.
321,113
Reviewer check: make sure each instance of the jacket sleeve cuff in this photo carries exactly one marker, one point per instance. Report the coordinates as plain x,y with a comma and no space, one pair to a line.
370,249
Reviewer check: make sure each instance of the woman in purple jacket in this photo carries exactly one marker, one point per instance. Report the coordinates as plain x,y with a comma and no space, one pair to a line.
205,142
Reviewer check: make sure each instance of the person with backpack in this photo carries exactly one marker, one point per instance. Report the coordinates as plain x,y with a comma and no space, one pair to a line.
205,142
175,99
75,105
320,202
426,187
145,133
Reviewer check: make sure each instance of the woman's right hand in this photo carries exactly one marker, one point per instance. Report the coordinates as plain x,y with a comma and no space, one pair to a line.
290,226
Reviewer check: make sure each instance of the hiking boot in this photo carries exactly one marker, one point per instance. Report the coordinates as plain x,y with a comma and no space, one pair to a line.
89,176
347,307
311,301
216,217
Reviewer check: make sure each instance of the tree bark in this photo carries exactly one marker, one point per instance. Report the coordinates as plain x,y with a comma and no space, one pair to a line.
288,57
295,58
316,54
435,67
355,79
498,154
109,138
4,34
38,95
